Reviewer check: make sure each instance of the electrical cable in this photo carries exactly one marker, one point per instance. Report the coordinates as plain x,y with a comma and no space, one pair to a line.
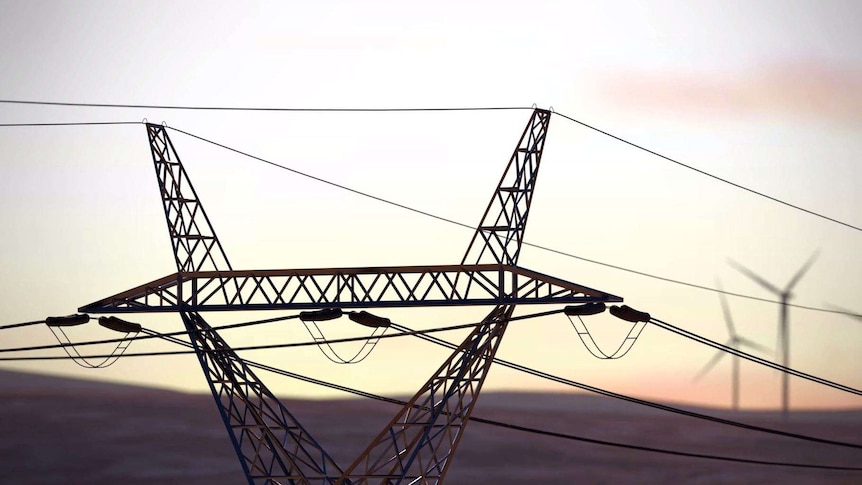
79,123
84,362
264,109
594,349
419,109
332,355
532,430
116,340
634,400
251,347
757,360
423,334
22,324
702,172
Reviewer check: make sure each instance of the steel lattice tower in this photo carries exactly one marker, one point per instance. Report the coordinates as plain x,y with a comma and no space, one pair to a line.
420,441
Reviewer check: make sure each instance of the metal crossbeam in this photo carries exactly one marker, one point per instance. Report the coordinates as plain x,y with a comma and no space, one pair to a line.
411,286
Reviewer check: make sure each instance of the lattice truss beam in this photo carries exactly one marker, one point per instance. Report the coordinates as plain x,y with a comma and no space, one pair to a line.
272,445
500,234
417,286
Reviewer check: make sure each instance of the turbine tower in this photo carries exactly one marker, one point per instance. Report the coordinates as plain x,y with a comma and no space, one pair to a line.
783,338
735,341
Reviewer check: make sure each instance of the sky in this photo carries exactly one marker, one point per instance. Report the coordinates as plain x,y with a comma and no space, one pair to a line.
765,94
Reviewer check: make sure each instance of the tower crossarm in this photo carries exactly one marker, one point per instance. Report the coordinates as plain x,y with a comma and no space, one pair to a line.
393,286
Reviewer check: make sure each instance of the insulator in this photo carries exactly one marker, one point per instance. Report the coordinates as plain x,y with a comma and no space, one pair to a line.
629,314
118,325
585,309
68,320
369,320
320,315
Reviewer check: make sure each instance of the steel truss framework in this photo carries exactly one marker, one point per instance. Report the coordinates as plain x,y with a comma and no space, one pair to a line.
418,444
413,286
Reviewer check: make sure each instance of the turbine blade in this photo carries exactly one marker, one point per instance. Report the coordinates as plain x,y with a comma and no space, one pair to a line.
753,345
757,279
728,320
709,365
799,274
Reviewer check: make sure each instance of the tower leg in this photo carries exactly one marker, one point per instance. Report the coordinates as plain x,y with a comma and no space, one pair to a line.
272,445
418,444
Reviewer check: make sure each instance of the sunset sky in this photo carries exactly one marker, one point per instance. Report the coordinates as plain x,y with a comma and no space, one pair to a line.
767,94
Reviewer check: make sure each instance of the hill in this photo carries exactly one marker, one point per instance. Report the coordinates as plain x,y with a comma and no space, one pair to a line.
59,430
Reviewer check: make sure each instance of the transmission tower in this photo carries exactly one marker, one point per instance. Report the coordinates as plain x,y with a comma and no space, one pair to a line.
420,441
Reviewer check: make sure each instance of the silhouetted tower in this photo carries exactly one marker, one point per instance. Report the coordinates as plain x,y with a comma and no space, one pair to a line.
419,442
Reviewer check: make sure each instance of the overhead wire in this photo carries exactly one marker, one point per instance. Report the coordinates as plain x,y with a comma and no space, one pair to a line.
425,335
250,347
22,324
533,430
633,400
428,109
715,177
262,108
172,334
73,123
753,358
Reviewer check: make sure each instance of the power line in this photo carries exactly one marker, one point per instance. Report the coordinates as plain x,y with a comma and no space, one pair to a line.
657,450
427,109
23,324
322,180
251,347
272,109
538,431
758,360
702,172
424,334
79,123
634,400
133,339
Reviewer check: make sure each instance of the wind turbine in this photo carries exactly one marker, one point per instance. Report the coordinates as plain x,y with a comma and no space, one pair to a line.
783,342
735,341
